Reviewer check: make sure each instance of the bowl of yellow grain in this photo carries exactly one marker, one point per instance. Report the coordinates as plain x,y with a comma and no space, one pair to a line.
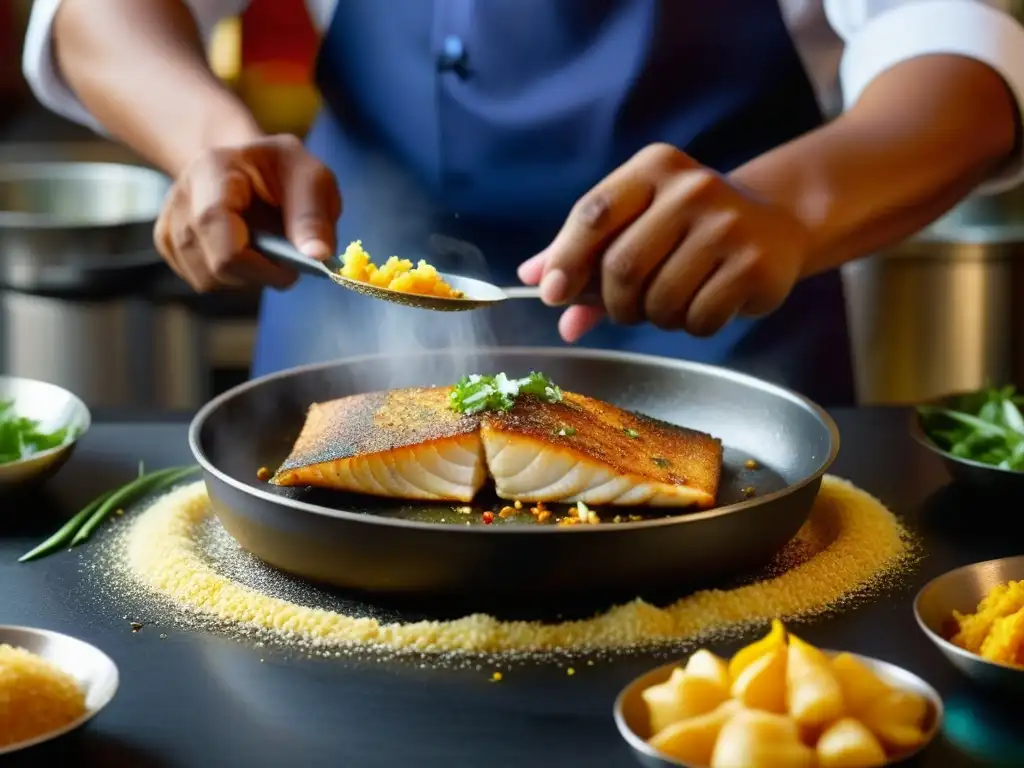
50,684
975,616
779,703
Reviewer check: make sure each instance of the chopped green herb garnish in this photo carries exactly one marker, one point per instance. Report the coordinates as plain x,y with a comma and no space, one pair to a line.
21,437
565,431
631,433
661,462
986,427
476,393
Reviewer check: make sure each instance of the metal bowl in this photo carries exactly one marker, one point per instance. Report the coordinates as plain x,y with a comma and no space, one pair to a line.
53,407
631,711
986,477
95,672
961,590
69,225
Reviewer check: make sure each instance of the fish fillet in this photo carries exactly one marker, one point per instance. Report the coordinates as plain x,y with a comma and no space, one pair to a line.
586,450
405,444
408,444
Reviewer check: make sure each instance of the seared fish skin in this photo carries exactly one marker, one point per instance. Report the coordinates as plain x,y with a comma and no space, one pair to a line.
405,444
586,450
409,444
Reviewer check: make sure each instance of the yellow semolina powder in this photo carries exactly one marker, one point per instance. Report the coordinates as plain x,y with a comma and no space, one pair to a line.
850,544
36,697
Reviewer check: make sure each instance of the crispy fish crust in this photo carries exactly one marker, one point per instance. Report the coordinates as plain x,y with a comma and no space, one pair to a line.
409,444
586,450
406,443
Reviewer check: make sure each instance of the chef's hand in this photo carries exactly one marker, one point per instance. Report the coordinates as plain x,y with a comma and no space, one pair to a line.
675,244
202,233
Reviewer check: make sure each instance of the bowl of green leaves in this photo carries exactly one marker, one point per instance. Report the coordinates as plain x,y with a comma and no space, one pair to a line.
979,435
39,426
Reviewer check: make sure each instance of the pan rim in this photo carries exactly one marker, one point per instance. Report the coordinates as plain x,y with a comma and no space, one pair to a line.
204,413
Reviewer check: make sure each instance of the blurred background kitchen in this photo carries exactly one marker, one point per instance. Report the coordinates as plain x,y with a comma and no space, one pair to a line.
85,301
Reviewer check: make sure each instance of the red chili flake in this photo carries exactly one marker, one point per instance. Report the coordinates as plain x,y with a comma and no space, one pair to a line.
488,518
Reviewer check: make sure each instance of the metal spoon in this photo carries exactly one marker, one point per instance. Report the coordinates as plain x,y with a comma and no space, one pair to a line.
477,293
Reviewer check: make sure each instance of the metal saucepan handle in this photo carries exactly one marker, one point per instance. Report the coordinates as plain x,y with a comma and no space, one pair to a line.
280,250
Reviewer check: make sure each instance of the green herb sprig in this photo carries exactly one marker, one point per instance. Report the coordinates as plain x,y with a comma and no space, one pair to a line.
84,524
477,393
20,437
987,427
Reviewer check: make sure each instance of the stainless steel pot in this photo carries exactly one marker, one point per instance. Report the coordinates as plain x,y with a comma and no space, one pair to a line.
77,276
70,226
942,312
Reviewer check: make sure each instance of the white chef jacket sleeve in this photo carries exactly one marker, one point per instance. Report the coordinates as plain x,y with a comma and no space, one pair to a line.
44,77
882,33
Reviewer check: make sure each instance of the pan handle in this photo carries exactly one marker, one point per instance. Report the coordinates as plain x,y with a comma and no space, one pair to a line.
281,251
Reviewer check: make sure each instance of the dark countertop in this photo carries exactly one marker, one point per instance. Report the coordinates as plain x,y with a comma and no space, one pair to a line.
196,699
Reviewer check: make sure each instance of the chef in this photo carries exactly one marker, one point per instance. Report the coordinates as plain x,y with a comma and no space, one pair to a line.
711,164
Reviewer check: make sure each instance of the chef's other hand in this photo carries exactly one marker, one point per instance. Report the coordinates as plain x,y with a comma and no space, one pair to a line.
675,243
202,233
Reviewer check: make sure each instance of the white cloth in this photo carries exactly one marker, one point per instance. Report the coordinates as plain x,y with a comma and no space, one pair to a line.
844,45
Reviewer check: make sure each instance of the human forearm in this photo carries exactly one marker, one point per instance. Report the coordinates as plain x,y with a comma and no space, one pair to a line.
139,68
922,136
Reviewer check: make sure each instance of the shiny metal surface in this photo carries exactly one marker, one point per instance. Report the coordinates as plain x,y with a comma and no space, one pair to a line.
961,590
992,479
367,546
118,352
65,225
53,407
477,293
630,711
94,671
938,315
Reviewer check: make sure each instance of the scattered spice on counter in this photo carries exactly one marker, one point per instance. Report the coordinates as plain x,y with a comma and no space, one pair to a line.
136,626
176,552
496,677
263,474
36,697
751,464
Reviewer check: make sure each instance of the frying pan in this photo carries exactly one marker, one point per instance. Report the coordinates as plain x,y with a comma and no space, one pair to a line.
414,554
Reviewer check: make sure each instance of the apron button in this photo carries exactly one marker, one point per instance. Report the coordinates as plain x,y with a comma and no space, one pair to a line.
453,57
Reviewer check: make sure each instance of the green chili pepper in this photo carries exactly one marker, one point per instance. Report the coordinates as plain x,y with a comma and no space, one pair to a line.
66,531
127,494
80,527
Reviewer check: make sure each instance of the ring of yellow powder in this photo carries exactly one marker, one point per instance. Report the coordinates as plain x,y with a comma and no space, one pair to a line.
853,541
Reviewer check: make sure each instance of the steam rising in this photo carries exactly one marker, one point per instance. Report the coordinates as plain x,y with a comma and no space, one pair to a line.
392,215
399,332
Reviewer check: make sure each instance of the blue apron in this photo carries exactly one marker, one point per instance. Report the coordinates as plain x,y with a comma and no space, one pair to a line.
462,131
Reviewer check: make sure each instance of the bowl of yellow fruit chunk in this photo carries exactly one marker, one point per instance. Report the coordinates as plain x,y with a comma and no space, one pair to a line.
778,703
